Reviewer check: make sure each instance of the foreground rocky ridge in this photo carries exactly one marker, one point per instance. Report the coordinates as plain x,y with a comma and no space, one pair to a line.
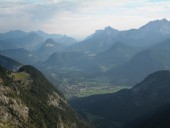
28,100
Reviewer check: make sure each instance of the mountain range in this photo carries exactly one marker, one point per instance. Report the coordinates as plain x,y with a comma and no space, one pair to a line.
122,64
109,55
143,63
30,40
147,35
51,46
118,54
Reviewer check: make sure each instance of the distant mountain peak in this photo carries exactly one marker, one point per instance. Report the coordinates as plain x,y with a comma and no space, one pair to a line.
159,21
64,37
156,22
40,31
164,20
13,34
108,28
162,26
14,31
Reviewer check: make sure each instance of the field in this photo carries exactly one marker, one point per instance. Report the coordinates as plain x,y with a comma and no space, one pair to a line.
20,76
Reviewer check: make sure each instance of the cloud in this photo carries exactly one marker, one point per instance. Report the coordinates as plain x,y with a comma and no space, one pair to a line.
79,17
158,0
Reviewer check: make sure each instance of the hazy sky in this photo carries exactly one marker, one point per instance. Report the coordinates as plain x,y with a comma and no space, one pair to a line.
79,18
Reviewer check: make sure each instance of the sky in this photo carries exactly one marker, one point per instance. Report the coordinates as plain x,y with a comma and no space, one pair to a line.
79,18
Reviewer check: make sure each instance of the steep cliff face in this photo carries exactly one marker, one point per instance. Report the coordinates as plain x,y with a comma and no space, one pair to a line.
28,100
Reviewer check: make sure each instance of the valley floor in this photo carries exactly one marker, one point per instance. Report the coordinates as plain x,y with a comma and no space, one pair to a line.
83,90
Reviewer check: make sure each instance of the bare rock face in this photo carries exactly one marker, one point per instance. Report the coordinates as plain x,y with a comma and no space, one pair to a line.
28,100
55,100
12,110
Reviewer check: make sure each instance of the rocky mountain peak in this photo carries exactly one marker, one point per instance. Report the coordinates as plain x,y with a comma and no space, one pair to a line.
162,26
